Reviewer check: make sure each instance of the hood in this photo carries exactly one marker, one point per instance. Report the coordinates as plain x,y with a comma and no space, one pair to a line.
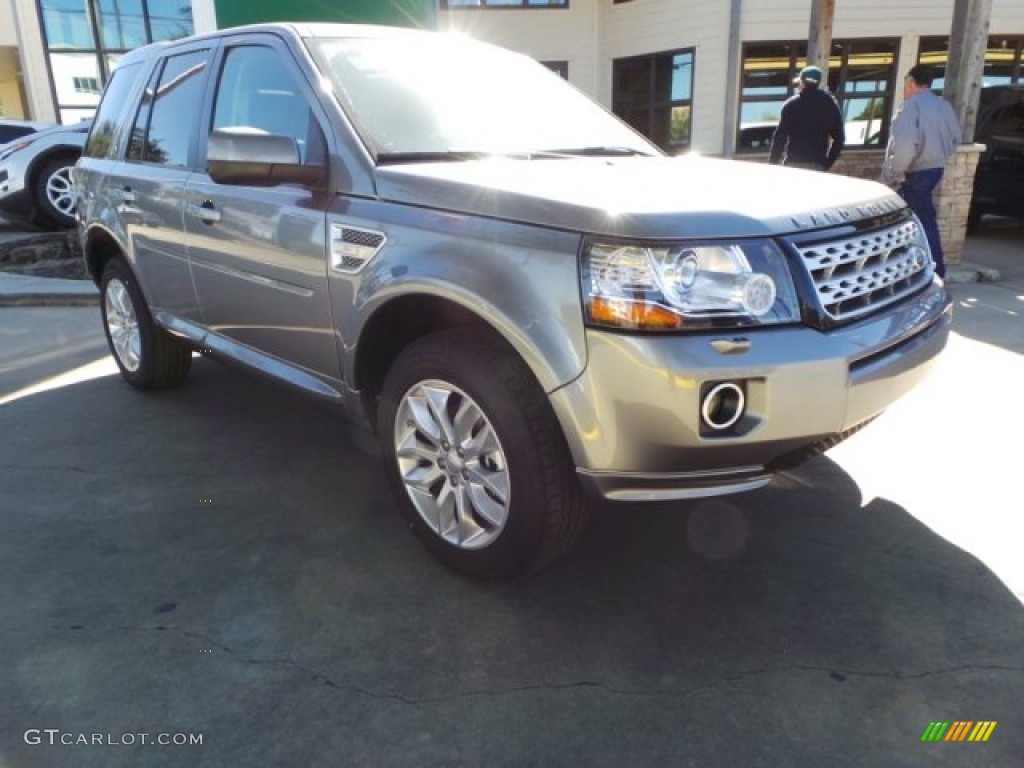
640,197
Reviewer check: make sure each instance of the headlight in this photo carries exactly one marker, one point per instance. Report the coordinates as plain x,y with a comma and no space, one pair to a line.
687,286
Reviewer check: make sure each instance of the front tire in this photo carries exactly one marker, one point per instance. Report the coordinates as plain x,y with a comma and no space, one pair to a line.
55,192
148,356
475,457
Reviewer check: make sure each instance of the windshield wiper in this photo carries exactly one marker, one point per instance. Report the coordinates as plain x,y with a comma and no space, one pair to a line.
439,156
592,152
455,155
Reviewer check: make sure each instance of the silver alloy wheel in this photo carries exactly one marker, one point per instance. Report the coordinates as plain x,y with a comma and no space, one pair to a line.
60,190
452,464
123,325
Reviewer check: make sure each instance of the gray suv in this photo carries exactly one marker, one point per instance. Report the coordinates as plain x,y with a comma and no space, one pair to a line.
524,299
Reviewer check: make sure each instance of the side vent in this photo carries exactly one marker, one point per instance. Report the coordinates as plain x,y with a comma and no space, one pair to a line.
352,248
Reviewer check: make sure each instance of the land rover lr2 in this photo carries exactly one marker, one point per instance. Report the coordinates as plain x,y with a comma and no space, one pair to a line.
525,300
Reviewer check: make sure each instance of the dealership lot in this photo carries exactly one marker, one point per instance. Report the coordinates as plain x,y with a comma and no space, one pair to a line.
225,561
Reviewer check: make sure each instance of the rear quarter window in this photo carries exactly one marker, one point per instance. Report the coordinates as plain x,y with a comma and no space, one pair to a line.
113,108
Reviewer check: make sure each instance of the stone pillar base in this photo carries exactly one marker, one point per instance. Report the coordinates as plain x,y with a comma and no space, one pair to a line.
953,199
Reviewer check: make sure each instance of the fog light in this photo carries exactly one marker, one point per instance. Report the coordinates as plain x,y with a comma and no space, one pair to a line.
723,406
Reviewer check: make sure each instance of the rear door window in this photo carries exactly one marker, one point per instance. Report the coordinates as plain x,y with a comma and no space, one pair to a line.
165,125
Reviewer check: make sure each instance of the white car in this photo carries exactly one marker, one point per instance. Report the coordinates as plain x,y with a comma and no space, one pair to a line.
11,130
35,174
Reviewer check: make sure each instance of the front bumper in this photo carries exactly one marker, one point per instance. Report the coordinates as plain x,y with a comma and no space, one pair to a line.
633,417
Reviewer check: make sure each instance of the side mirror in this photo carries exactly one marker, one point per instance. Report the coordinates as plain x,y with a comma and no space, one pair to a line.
251,157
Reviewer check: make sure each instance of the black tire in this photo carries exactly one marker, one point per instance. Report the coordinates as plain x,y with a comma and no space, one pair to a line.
544,513
157,360
54,193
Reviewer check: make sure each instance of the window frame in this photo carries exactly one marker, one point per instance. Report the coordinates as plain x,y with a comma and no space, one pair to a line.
101,52
485,5
653,102
1017,66
837,75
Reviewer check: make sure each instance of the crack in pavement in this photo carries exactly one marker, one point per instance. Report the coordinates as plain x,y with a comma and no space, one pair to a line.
327,681
250,469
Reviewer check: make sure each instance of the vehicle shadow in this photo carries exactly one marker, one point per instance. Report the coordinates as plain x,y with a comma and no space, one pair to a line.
993,312
791,625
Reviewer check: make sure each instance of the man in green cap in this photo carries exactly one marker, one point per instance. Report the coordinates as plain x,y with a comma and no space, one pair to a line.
810,133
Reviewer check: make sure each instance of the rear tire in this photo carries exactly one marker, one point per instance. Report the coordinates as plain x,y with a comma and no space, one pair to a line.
475,456
148,356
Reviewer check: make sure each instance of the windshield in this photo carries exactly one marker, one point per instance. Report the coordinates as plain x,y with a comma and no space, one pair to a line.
435,95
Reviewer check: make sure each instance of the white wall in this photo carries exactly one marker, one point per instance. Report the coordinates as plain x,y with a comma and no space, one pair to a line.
8,30
204,16
592,33
547,34
33,60
653,26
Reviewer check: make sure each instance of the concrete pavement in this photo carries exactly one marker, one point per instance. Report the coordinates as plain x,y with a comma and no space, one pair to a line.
224,561
29,290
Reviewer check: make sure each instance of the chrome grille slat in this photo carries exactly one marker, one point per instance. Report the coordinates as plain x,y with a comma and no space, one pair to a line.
856,275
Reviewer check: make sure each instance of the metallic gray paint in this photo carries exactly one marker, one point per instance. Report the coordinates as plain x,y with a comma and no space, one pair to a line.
522,281
500,238
637,406
649,198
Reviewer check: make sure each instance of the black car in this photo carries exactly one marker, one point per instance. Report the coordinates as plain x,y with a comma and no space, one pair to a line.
999,182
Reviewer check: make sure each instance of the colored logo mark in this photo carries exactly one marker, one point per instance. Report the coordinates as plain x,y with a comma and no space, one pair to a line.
958,730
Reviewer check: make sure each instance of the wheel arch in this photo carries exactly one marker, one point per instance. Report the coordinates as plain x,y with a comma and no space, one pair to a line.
98,248
52,153
402,320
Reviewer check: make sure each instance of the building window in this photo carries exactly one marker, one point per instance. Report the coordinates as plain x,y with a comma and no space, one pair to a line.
86,84
861,76
447,5
654,94
1003,59
85,38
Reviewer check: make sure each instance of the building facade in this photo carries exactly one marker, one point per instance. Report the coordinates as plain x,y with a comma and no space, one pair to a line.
712,77
690,74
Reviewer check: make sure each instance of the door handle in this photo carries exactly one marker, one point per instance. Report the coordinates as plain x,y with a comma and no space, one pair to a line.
125,194
205,212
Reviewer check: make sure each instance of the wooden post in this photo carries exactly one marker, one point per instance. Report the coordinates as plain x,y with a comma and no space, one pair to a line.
819,36
966,67
956,48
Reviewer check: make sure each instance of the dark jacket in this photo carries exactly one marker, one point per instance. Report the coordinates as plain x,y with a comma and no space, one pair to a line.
810,120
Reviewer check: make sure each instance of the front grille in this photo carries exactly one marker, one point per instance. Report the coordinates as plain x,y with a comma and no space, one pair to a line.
860,274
